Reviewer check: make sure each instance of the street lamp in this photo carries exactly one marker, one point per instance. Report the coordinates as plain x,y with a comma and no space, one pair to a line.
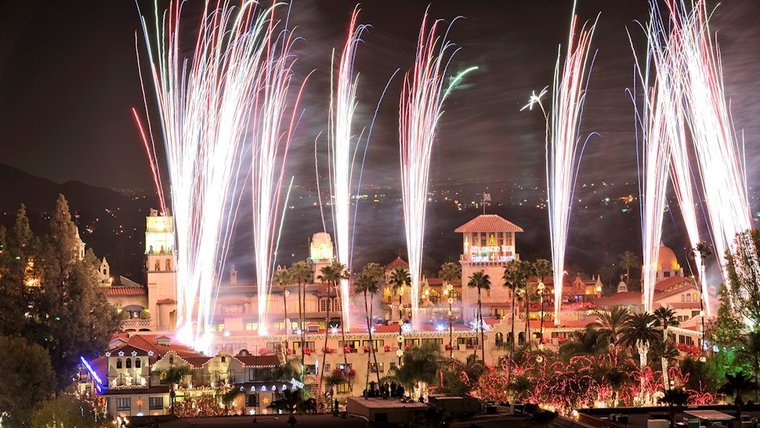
448,292
541,288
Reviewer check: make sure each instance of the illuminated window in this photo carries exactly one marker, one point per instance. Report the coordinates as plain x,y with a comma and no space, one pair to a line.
688,298
156,403
251,326
168,264
342,388
123,404
157,266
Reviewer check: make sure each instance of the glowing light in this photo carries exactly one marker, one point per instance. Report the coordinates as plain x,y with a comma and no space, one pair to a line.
420,108
563,151
98,382
205,104
342,154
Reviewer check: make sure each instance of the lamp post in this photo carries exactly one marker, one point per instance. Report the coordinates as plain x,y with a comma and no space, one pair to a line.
448,293
541,288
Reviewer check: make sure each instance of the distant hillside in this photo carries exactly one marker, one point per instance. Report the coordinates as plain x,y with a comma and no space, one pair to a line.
109,222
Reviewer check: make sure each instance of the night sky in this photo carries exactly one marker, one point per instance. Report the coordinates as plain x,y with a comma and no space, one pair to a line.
68,78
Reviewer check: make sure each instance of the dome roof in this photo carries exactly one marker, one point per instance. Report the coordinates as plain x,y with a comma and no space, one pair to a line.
667,260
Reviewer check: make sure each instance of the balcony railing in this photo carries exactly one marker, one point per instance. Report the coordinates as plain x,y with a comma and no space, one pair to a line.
135,323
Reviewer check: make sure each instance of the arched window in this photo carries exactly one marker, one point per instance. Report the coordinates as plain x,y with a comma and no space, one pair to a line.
683,298
138,363
157,266
688,298
224,359
129,363
499,339
118,363
171,360
169,264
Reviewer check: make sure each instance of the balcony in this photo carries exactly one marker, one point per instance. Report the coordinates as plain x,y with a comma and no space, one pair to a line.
135,324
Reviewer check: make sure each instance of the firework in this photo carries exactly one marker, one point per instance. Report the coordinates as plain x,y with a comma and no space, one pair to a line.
421,106
273,122
662,126
343,153
563,144
721,165
204,107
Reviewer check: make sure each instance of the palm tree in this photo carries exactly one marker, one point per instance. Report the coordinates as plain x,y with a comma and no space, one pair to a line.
449,272
301,273
282,278
331,275
704,250
367,284
542,268
609,323
583,342
627,261
399,279
666,317
481,281
174,375
640,332
420,365
675,398
736,386
516,274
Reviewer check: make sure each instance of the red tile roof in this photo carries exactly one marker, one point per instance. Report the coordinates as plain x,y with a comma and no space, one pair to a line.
667,283
126,291
248,360
398,262
488,223
167,302
627,298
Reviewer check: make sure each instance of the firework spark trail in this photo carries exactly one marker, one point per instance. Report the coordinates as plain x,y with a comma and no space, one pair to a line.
563,144
342,151
420,108
271,139
663,147
150,150
204,105
721,166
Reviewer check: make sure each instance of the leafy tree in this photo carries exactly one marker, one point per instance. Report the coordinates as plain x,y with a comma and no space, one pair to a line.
302,274
541,268
609,323
459,379
699,375
481,281
367,285
728,327
66,411
290,402
27,378
17,263
749,353
744,276
68,313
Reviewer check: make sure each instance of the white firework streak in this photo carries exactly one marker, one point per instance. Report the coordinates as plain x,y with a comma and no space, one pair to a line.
720,161
563,145
204,108
662,128
420,108
343,153
273,124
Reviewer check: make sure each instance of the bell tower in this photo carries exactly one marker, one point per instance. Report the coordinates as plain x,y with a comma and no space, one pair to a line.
160,263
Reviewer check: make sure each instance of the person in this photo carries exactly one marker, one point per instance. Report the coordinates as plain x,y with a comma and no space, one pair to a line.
336,406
